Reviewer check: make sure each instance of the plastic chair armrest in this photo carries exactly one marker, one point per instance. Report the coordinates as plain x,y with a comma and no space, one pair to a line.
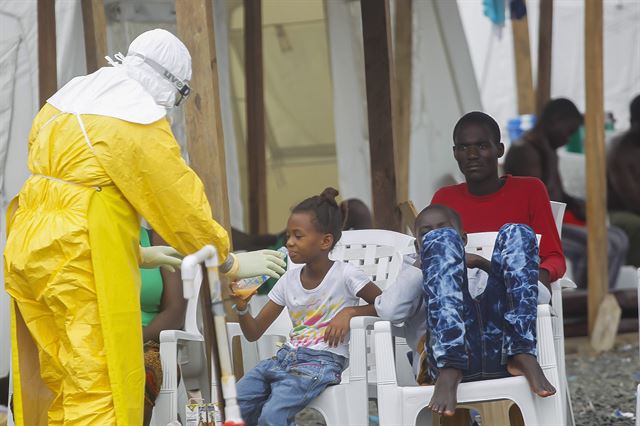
167,336
363,323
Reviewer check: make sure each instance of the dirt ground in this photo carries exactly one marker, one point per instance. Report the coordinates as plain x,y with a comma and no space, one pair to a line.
603,387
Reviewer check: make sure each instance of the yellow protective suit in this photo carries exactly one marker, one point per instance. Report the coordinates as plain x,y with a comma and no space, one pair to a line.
71,262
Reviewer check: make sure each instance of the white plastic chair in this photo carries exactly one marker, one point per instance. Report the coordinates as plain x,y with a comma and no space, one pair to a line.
557,320
379,254
638,390
189,342
402,404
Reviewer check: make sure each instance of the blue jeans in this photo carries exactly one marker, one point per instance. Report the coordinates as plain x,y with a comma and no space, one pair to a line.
478,335
277,388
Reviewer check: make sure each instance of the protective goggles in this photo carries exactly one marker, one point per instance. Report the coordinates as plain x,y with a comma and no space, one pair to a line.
181,86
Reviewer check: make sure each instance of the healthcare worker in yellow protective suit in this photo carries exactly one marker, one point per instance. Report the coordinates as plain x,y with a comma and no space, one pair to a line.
101,154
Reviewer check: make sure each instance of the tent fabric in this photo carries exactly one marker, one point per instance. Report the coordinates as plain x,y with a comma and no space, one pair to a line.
444,88
494,66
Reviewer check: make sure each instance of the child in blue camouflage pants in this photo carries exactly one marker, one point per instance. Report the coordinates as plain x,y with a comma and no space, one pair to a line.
491,334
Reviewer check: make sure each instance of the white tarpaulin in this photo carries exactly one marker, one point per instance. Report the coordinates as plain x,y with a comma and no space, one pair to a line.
444,88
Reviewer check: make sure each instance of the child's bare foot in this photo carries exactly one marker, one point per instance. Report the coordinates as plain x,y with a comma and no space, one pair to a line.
527,365
444,397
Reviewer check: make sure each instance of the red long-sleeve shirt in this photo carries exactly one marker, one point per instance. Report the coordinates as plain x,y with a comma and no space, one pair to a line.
520,200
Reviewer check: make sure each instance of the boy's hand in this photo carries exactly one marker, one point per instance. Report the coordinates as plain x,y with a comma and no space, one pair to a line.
338,328
476,261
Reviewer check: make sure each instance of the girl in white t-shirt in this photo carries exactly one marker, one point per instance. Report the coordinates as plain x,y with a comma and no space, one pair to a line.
321,297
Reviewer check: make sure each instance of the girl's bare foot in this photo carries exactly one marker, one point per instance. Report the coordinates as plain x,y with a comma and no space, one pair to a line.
527,365
444,397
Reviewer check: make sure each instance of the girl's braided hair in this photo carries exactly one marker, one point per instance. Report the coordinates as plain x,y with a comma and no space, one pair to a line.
326,213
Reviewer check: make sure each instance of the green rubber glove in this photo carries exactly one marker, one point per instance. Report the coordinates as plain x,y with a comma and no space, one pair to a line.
164,257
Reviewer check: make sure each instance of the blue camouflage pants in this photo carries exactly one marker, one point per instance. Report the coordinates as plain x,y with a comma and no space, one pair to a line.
478,335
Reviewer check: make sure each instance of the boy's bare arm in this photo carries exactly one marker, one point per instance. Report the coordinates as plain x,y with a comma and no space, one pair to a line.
477,261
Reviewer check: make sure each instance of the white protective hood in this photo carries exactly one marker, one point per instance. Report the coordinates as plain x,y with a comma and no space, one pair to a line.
132,91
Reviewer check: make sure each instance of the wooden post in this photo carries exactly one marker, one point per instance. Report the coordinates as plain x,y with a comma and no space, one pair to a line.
522,55
595,160
47,59
379,83
95,33
545,38
205,140
402,53
254,94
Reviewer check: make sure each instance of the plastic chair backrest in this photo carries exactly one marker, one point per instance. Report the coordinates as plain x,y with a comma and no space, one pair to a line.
481,243
378,253
558,208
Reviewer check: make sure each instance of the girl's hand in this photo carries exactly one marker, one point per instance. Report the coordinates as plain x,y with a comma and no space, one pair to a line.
338,328
241,300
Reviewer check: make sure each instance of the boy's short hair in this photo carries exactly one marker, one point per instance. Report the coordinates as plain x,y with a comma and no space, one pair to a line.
451,214
481,119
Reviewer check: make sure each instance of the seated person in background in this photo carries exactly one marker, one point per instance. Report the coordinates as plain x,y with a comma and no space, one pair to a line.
623,182
356,215
321,297
535,155
487,202
163,308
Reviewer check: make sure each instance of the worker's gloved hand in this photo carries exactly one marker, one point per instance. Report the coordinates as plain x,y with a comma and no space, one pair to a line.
260,262
164,257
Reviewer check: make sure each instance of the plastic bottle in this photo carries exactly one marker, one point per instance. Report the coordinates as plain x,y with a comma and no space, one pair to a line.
245,287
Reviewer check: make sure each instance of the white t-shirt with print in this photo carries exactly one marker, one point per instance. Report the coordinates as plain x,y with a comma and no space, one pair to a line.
312,310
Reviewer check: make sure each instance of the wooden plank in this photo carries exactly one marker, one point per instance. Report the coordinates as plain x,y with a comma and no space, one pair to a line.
545,38
205,140
595,160
95,33
379,81
409,214
403,70
254,92
522,57
47,57
603,336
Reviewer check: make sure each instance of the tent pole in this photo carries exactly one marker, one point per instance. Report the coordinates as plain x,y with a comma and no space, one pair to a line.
595,163
545,38
254,93
402,126
47,59
379,85
95,33
522,55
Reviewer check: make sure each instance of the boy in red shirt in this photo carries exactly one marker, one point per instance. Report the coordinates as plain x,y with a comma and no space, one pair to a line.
487,202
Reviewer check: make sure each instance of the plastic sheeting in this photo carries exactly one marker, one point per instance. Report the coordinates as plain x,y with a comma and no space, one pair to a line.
494,66
444,88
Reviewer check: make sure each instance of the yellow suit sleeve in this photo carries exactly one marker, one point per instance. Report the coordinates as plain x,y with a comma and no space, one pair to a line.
145,164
